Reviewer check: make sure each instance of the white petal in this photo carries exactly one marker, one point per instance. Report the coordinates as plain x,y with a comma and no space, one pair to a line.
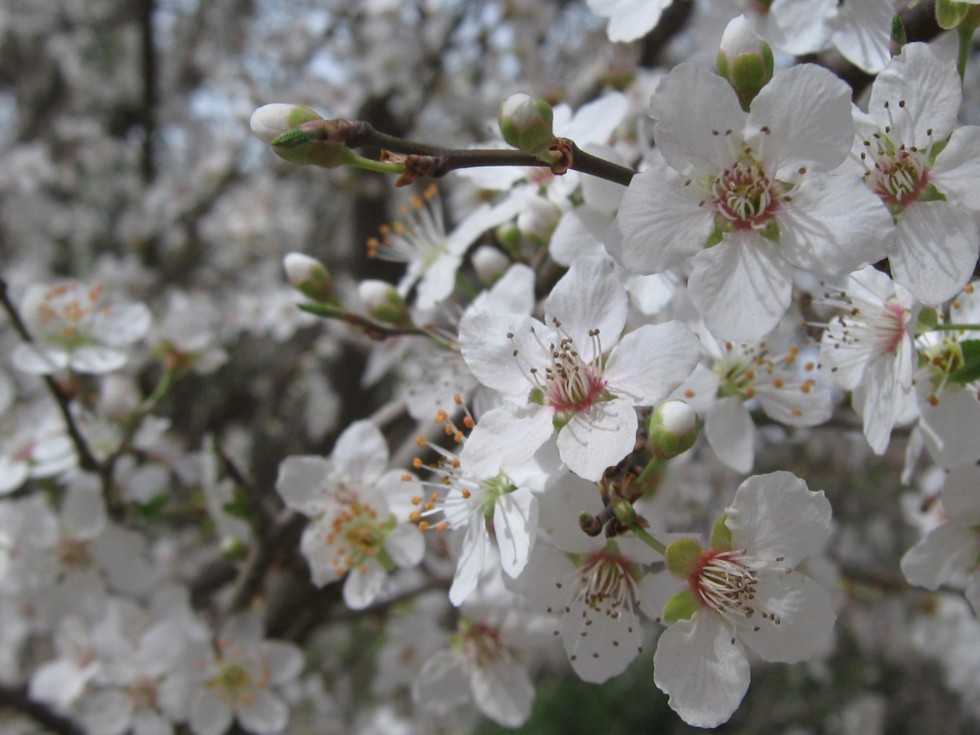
730,432
834,224
503,692
775,516
945,554
121,324
301,483
97,360
703,670
361,453
820,139
35,359
267,714
651,361
742,287
405,545
472,561
515,520
696,112
804,611
662,222
600,643
506,436
961,499
364,584
598,438
930,89
209,714
589,297
934,250
489,351
957,168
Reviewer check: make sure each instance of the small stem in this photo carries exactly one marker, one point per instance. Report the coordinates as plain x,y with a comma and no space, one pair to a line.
652,467
956,327
641,533
369,164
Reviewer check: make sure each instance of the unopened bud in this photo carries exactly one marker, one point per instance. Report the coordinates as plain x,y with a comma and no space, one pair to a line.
538,219
382,302
270,121
745,60
310,277
509,236
673,429
233,548
525,122
489,264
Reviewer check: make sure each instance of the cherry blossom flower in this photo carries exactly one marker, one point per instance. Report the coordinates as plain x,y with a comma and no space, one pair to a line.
924,171
868,349
355,532
949,553
573,376
597,586
73,326
241,679
629,19
949,410
748,198
740,593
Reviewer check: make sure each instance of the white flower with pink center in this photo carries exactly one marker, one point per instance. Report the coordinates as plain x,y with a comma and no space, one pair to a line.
868,349
748,198
572,375
924,171
742,592
75,327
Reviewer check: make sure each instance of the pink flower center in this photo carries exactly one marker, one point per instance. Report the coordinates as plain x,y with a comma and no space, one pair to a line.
571,384
745,196
722,582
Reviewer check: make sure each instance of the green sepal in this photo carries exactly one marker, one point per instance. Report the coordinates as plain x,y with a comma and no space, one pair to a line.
721,535
927,321
950,14
682,557
238,506
897,37
931,194
151,508
681,606
970,371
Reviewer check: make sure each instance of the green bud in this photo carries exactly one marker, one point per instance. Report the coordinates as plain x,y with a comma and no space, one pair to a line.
673,429
233,548
383,303
927,321
510,238
745,60
310,277
525,122
682,557
681,606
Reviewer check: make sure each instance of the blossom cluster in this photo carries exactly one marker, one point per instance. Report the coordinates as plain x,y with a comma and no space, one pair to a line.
583,406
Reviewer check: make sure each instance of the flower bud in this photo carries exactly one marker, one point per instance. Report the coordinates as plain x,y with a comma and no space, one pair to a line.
489,264
673,429
310,277
382,302
525,122
745,60
538,220
509,236
270,121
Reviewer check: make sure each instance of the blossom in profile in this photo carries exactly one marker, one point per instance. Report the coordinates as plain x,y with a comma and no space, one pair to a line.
76,327
742,593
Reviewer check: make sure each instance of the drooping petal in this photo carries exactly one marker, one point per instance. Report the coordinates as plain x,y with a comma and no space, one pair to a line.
945,554
729,429
265,714
472,561
515,520
742,287
503,692
597,438
702,668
